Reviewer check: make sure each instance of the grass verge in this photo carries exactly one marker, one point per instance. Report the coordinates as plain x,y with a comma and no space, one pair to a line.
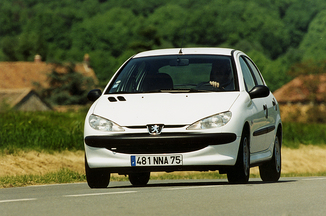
68,176
39,168
54,131
62,176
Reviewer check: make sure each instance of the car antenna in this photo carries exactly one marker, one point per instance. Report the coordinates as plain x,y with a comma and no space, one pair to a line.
180,51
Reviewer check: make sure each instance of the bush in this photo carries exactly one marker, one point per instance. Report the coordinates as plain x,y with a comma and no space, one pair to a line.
295,133
66,88
304,113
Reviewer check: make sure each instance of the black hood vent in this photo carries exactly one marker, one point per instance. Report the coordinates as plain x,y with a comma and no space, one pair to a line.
113,99
121,98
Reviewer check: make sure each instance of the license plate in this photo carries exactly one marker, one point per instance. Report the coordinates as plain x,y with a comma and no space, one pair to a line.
156,160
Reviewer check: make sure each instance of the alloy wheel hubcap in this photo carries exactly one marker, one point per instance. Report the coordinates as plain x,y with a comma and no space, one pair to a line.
245,156
277,155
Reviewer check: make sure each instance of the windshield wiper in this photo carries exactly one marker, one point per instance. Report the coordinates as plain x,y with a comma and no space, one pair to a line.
205,90
168,91
151,91
175,90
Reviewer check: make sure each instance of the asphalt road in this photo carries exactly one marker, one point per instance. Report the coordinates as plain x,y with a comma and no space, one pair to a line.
289,196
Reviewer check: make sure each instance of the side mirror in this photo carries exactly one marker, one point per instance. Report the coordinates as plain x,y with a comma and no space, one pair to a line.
94,94
259,91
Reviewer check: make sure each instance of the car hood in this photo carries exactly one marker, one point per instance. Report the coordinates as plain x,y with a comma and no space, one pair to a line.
162,108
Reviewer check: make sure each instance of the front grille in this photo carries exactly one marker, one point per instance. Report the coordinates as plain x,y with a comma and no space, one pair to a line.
157,148
158,144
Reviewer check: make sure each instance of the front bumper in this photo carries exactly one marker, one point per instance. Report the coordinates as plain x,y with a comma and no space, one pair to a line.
159,144
201,152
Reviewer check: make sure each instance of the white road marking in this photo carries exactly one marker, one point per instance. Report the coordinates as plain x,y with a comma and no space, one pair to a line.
193,187
100,194
311,179
17,200
51,185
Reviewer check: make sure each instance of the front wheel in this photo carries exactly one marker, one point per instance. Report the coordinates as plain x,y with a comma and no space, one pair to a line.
271,170
241,170
96,178
139,179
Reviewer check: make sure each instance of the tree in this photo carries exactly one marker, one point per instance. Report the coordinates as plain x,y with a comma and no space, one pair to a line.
314,43
206,26
8,48
170,21
228,22
9,19
297,15
66,86
111,32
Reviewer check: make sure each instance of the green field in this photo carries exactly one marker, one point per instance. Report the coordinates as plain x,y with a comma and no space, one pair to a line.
41,131
55,131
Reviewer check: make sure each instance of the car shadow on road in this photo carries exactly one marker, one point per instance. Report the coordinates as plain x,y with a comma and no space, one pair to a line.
198,183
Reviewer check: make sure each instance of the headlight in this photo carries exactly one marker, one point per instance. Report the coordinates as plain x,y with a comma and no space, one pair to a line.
211,122
102,124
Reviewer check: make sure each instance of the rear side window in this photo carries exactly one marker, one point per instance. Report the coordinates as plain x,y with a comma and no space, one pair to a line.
248,78
255,72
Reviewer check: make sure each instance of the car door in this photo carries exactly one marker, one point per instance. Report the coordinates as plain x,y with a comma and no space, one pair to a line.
258,108
270,108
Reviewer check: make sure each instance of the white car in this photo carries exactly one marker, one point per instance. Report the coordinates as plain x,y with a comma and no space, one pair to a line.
190,109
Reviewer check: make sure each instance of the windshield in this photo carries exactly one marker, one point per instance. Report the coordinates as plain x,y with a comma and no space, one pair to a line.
175,73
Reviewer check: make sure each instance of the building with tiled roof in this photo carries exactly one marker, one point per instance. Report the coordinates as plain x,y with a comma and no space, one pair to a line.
303,89
25,74
23,99
18,81
303,99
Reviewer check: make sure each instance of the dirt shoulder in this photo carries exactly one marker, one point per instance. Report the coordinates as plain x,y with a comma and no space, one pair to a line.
306,159
25,163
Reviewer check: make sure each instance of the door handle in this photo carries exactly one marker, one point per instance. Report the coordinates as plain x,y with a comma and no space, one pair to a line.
265,110
274,104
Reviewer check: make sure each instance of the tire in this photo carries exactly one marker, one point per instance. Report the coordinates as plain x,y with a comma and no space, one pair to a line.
97,178
271,170
241,170
139,179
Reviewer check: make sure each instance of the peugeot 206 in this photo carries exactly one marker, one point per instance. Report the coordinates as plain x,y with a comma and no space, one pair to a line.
190,109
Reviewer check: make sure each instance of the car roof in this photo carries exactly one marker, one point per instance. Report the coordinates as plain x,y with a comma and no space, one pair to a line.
186,51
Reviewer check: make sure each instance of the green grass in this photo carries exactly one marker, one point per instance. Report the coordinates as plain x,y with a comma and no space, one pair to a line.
196,175
295,134
62,176
41,131
54,131
68,176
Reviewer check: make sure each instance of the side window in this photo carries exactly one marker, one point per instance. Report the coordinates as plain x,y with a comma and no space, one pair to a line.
256,72
248,79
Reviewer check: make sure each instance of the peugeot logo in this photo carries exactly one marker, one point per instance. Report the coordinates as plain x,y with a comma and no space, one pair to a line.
155,129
